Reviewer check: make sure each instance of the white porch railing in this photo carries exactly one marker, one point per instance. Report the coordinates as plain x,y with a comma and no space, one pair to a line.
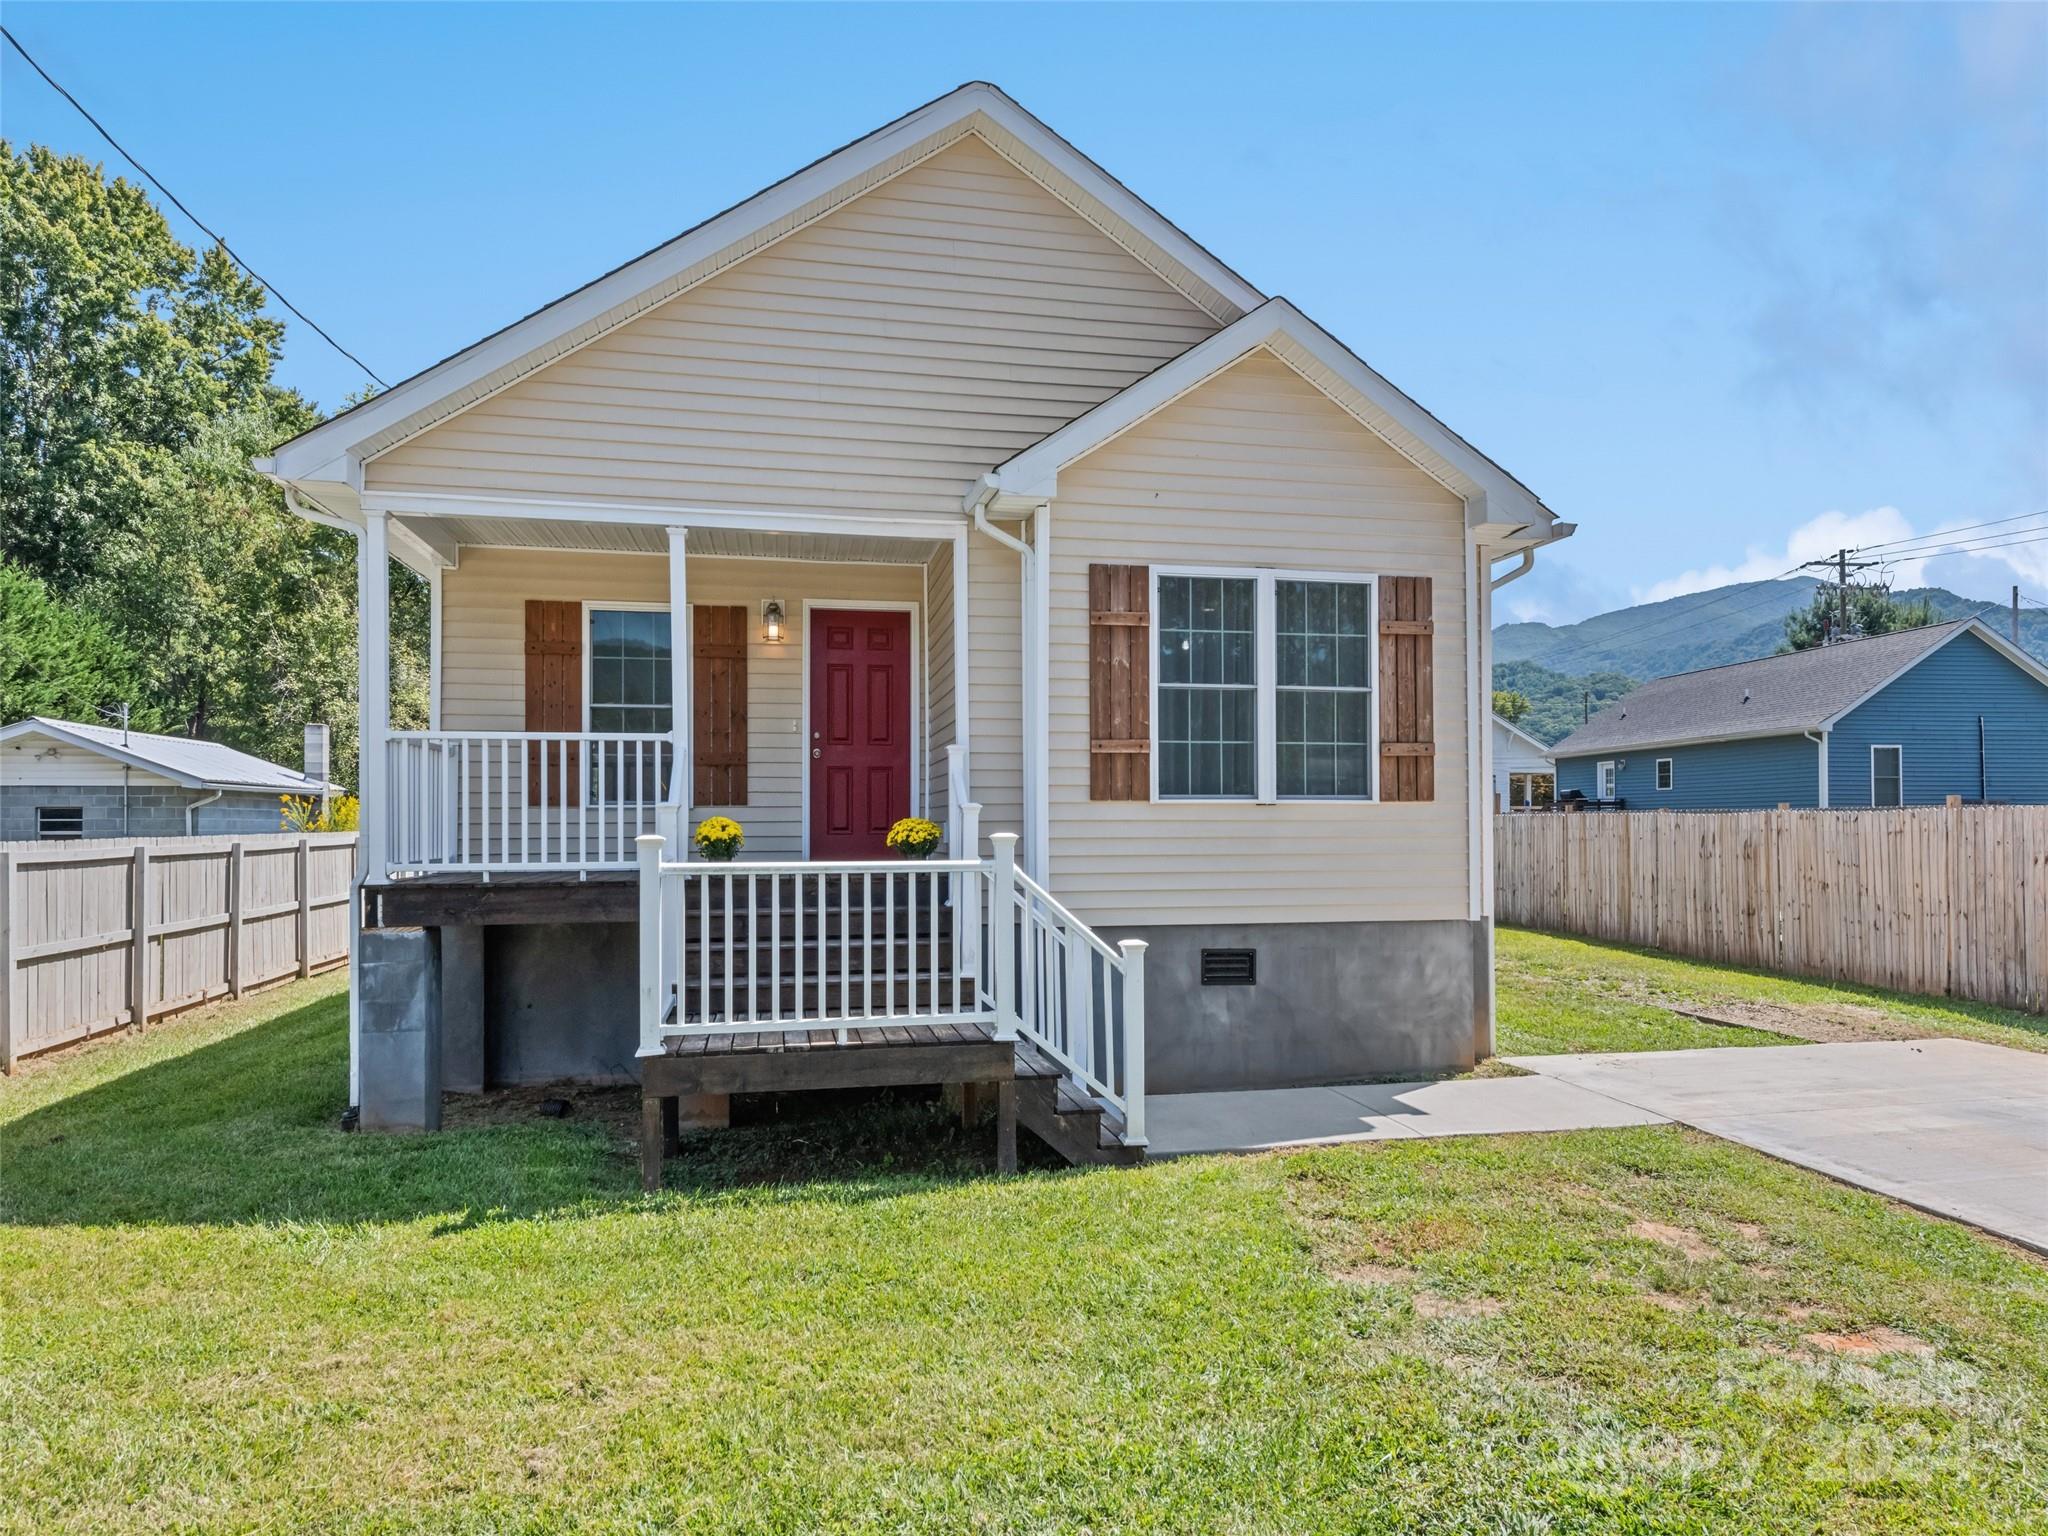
738,948
480,801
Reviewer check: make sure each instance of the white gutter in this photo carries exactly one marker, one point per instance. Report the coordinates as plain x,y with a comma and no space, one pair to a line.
197,804
1821,737
1034,624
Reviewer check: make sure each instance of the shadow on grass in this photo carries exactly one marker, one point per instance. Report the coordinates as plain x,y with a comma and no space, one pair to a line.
245,1130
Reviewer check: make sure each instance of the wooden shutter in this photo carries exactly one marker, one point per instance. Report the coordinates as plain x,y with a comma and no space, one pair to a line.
554,693
1407,690
1120,682
718,702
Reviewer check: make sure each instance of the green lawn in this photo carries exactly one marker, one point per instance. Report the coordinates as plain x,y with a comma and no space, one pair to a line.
219,1313
1565,994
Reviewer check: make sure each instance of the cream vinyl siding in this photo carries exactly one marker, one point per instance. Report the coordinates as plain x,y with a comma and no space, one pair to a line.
938,673
1255,468
995,683
23,761
877,359
483,650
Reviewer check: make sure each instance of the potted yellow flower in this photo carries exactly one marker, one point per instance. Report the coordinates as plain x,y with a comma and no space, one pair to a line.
914,837
719,839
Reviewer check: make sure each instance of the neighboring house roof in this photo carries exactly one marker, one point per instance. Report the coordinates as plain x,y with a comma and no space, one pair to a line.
194,764
627,291
1522,736
1279,328
1775,696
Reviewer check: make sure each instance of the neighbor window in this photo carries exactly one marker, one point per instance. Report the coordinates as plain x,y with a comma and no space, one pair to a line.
60,823
1663,773
1265,687
1605,780
1531,791
1887,776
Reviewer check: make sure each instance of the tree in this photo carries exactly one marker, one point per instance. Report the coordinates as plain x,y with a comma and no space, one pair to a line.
1511,704
58,660
136,383
1872,611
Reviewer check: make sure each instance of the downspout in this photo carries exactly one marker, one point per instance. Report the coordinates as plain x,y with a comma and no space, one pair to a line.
1821,736
1031,618
197,805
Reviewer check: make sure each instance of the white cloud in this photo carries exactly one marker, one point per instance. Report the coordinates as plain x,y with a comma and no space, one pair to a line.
2020,553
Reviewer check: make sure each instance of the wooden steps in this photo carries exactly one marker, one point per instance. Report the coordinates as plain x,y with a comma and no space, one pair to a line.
1069,1121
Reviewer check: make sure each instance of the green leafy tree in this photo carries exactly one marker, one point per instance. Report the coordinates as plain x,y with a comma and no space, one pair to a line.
1872,611
58,660
1511,704
136,383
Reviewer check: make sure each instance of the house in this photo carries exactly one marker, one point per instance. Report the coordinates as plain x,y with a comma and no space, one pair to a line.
991,498
61,779
1524,777
1908,718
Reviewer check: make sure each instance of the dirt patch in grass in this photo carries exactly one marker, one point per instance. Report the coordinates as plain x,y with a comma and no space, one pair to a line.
1373,1274
1816,1023
615,1108
1678,1239
1869,1341
1429,1304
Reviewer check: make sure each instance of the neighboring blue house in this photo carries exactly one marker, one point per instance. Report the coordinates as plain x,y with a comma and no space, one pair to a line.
1901,719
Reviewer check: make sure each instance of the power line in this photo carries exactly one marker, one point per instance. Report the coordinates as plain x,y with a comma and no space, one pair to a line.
1967,549
1918,549
268,286
1948,532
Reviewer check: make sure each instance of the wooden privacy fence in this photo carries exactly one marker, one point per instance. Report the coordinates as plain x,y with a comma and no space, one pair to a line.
104,934
1942,899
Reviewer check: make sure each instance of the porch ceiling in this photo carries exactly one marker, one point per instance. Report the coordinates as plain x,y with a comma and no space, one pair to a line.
640,538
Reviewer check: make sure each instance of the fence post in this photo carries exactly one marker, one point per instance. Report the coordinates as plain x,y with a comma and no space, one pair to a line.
9,1015
236,902
650,846
1002,931
138,959
302,866
1133,951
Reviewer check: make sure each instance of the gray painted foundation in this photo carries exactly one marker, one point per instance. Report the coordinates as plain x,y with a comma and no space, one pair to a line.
1334,1002
561,1003
399,1041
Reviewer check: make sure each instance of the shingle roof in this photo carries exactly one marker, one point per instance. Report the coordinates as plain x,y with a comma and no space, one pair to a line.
1777,695
203,764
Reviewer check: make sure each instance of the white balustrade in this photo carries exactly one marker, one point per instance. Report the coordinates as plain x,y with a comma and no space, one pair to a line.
485,801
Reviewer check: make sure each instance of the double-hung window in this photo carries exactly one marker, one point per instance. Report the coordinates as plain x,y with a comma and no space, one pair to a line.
632,693
1887,776
1265,686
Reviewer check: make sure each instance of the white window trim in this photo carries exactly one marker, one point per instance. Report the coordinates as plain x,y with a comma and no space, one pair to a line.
1266,711
1606,779
605,605
1887,746
1666,775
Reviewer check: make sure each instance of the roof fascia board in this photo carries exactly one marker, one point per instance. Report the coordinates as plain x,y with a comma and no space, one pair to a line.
432,504
1033,474
1971,626
38,726
942,121
1521,735
1558,752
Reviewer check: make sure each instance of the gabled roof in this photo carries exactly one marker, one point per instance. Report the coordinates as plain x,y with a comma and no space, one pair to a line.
1279,328
326,452
1522,736
194,764
1775,696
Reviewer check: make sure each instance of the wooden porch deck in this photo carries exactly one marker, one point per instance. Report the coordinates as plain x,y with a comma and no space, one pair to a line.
1027,1084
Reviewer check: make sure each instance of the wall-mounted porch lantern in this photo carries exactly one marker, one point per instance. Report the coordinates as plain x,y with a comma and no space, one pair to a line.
771,620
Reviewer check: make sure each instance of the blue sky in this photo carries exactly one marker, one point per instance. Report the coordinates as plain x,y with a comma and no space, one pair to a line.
1727,286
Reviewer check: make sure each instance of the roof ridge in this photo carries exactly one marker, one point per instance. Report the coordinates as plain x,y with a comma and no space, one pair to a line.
1725,666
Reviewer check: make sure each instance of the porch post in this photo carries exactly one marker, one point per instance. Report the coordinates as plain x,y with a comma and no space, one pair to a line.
682,650
1039,710
373,688
1002,931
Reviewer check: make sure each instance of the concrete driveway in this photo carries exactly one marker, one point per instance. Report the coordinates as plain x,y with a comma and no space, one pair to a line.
1954,1127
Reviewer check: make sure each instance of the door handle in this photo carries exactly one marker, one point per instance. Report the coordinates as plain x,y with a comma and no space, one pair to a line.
817,752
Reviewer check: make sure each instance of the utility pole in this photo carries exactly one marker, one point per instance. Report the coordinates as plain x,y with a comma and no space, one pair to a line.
1842,565
1586,702
2015,615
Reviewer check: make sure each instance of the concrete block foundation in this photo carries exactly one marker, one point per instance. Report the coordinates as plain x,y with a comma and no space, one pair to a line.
399,1041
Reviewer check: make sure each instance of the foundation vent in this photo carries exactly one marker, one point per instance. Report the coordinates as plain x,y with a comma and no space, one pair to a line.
1230,967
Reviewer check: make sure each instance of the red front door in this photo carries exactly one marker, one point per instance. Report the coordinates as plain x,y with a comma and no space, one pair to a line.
860,730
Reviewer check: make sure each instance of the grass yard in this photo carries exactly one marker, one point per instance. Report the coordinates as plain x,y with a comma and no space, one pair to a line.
1558,993
221,1314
